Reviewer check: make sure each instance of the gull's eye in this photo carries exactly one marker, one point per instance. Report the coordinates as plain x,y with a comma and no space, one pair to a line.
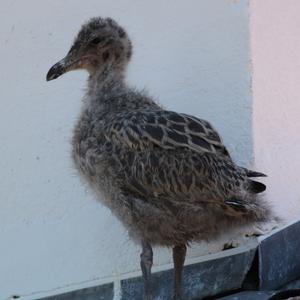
97,40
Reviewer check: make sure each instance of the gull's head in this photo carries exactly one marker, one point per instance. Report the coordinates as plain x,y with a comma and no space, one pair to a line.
100,43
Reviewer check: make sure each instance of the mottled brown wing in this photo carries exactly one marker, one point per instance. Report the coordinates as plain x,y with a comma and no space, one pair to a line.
171,156
179,174
167,130
211,134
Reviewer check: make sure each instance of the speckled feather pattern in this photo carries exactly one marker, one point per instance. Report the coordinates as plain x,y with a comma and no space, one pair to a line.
167,176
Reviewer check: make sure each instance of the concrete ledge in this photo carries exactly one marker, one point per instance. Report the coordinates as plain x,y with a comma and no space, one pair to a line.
200,280
271,264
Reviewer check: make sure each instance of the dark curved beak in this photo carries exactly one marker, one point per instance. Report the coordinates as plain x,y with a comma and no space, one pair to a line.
57,70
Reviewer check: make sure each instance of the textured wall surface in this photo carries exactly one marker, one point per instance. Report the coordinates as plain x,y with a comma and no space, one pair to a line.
192,55
275,43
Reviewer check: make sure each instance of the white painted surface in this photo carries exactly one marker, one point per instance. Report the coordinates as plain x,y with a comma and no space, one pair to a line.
275,43
192,55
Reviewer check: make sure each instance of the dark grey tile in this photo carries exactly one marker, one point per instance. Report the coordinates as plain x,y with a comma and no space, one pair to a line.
262,295
203,279
285,295
133,288
291,285
102,292
251,295
279,259
220,275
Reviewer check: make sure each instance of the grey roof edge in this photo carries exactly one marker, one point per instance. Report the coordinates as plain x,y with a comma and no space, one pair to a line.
279,259
276,255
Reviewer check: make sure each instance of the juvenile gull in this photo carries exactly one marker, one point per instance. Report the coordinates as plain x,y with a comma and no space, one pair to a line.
167,176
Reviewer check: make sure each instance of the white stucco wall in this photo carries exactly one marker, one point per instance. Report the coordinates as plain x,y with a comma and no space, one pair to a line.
192,55
275,47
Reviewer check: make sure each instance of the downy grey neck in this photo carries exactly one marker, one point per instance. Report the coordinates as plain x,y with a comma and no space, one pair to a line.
105,86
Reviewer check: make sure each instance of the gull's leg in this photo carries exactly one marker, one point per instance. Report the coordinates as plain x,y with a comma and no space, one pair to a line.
146,264
179,253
